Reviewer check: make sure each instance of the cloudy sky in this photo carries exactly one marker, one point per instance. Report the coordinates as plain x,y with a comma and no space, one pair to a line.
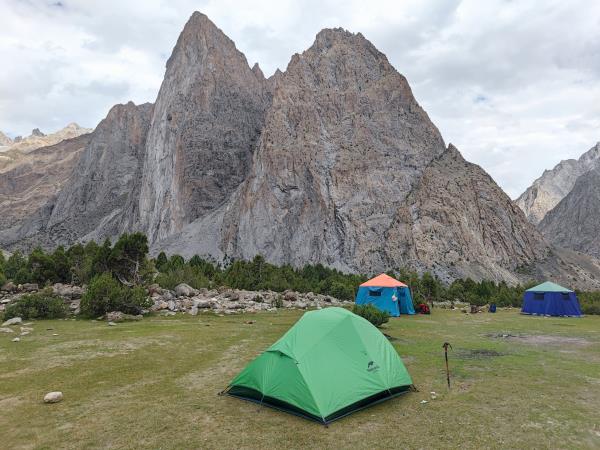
515,85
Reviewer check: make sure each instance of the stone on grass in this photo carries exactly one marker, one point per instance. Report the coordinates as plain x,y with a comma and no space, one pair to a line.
13,321
111,324
118,316
6,330
53,397
16,339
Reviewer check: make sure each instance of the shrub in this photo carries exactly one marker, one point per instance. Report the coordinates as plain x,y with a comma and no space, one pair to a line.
105,294
277,302
372,314
186,274
41,305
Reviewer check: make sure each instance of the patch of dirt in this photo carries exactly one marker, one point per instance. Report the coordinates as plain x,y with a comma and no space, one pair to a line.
545,339
541,339
478,354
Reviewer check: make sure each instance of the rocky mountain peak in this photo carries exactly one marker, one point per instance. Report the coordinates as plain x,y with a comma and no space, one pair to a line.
574,222
201,38
258,71
554,185
205,126
4,140
37,133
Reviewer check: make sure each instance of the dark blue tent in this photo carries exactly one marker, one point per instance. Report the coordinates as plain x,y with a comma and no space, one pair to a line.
550,299
387,294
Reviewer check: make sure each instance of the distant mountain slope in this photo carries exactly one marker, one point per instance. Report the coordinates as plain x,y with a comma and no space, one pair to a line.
33,178
575,222
545,192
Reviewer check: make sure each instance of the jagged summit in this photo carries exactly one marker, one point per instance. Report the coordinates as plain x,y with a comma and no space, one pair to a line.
554,184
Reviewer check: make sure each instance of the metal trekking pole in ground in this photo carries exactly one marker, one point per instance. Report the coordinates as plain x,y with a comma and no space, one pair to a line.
445,346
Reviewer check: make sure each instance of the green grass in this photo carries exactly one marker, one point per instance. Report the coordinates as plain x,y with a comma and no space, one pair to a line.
154,384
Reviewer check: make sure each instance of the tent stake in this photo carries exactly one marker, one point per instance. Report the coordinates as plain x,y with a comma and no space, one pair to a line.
445,346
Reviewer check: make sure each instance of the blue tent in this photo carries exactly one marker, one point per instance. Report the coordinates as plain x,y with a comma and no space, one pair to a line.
387,294
550,299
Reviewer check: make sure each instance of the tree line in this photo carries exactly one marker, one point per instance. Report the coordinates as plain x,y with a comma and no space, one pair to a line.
126,265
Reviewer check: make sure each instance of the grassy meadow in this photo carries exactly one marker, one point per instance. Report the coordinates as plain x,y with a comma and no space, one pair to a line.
154,384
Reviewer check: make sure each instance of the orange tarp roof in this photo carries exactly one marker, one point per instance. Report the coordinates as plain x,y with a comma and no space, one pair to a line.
383,280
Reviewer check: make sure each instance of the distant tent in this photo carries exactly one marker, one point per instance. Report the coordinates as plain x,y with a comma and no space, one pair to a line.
387,294
329,364
550,299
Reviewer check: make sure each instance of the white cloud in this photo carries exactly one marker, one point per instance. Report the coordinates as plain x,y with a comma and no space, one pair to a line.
514,85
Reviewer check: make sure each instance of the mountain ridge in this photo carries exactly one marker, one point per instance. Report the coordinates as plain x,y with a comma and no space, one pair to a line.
332,161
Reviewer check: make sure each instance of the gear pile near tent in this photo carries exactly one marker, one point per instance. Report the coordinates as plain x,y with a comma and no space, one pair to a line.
550,299
387,294
329,364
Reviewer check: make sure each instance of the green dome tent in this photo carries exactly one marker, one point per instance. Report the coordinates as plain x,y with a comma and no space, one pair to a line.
329,364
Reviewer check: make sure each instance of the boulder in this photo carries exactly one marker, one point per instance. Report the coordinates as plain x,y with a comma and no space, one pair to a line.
154,289
185,290
67,291
172,306
53,397
118,316
6,330
194,310
159,305
9,287
13,321
290,296
29,287
203,304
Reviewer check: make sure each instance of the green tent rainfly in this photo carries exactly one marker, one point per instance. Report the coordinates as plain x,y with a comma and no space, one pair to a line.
328,365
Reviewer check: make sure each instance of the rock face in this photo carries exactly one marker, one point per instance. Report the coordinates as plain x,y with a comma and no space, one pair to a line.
575,222
332,161
28,182
548,190
458,223
100,198
205,127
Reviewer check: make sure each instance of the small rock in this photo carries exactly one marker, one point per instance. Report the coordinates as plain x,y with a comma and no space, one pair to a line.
24,333
112,324
118,316
6,330
423,402
194,310
13,321
16,339
54,334
53,397
249,322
